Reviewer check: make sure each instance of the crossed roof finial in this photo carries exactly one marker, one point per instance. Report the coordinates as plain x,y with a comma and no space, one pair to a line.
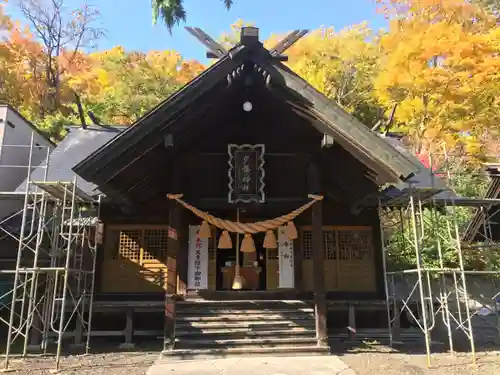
249,36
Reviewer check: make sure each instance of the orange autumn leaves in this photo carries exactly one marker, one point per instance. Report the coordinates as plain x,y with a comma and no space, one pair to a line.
117,85
120,86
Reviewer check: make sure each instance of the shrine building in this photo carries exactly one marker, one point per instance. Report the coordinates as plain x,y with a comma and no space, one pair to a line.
245,193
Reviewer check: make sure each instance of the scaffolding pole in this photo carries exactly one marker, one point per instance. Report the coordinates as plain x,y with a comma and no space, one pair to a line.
55,259
434,287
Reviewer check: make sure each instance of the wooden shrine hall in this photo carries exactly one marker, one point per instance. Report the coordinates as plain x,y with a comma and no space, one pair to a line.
246,185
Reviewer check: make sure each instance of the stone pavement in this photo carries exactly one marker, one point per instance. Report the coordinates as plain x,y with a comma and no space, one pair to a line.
317,365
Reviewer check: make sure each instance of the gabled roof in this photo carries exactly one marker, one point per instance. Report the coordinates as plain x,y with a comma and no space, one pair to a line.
28,123
76,146
476,230
149,131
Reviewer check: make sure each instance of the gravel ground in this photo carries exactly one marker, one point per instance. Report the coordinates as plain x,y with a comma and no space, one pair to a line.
386,361
129,363
377,360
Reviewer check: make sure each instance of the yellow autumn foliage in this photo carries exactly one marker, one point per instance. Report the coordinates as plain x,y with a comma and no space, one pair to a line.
440,62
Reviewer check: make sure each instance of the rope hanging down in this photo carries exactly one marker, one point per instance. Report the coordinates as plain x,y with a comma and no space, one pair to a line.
252,228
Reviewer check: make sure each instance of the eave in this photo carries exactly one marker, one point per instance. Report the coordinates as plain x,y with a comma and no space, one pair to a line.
332,120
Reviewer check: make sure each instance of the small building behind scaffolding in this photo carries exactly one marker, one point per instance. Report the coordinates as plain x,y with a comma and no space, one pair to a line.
16,155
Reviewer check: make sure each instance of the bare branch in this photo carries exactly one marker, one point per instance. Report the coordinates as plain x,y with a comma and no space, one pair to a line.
61,32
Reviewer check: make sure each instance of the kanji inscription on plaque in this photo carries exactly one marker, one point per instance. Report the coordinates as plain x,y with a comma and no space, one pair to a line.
246,173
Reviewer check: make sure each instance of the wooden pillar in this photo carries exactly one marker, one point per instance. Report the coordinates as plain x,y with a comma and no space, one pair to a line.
182,256
128,332
171,287
320,305
174,240
351,311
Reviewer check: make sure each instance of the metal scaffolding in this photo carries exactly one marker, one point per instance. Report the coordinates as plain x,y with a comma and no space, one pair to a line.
438,294
52,242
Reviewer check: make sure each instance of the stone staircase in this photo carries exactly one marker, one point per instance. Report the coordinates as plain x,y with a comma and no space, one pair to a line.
221,328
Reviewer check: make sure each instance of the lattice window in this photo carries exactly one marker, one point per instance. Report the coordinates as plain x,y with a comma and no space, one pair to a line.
329,244
355,244
343,244
129,245
155,244
140,245
307,244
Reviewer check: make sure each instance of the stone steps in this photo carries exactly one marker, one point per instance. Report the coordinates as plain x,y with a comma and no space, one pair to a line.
234,341
254,325
180,354
226,311
219,328
246,332
241,317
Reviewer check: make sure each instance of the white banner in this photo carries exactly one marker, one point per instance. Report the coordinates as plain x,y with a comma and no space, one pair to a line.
197,260
286,260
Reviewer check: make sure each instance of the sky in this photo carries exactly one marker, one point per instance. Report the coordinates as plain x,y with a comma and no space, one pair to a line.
131,26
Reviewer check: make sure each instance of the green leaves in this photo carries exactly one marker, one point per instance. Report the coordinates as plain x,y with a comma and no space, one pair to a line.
172,12
228,3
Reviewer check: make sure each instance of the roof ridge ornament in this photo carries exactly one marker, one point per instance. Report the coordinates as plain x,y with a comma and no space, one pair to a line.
249,37
215,50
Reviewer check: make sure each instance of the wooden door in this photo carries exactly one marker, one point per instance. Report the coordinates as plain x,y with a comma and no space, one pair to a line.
348,258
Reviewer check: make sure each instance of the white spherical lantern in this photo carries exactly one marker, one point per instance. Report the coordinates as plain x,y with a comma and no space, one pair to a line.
247,106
